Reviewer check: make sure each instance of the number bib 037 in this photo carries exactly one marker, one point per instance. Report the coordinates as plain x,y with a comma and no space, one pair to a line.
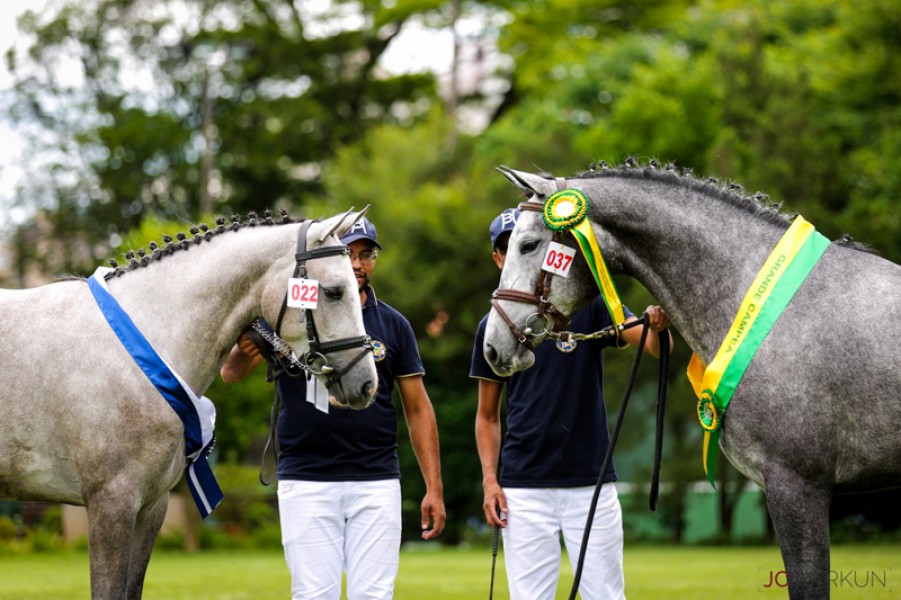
303,293
558,259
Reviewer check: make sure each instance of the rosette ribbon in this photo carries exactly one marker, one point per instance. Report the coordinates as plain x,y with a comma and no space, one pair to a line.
567,210
780,277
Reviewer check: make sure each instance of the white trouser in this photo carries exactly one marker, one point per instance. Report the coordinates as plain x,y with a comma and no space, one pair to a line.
535,519
330,527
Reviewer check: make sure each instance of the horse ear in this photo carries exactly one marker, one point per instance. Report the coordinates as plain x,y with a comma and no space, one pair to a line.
529,183
335,223
340,226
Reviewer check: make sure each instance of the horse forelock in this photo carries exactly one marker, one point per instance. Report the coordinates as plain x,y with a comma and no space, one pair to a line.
758,205
136,259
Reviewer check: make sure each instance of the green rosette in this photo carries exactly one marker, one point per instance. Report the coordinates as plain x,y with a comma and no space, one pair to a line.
565,209
708,414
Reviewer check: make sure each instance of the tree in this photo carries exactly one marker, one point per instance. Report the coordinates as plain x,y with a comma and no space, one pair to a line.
152,107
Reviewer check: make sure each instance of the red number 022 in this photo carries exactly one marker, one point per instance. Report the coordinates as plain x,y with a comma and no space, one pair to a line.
558,260
305,293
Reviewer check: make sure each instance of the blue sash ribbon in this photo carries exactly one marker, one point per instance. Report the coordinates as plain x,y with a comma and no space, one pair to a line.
197,414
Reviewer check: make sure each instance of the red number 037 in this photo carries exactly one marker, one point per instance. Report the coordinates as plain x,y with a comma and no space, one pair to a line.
558,260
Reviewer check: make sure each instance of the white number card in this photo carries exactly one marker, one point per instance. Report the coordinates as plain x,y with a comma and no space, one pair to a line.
559,259
303,293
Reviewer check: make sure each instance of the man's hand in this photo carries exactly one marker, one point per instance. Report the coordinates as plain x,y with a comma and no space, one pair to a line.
434,515
247,346
658,320
494,504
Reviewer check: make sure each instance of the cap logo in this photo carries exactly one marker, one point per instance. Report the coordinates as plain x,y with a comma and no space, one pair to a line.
507,218
358,226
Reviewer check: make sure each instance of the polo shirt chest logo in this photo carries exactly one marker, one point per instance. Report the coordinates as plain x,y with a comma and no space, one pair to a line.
379,351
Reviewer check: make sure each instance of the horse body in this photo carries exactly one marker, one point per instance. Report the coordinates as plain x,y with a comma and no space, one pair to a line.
83,424
816,411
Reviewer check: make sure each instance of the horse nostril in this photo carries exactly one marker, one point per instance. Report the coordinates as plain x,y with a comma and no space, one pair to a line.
490,354
368,390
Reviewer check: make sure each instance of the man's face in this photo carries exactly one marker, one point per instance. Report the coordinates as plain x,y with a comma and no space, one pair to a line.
500,249
362,256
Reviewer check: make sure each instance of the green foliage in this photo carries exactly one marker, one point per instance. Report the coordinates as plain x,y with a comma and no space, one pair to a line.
270,90
8,528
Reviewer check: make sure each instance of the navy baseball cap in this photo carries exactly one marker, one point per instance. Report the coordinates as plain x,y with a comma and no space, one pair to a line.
361,230
503,223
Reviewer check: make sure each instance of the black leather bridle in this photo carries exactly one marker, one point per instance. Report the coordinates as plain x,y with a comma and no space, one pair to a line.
315,361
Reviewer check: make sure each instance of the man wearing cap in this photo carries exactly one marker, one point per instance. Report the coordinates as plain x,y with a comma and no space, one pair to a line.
338,470
553,451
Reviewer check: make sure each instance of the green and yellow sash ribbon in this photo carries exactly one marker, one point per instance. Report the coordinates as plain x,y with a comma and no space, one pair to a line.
782,274
567,210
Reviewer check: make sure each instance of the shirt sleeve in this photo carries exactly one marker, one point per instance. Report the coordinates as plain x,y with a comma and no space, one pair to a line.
479,368
408,360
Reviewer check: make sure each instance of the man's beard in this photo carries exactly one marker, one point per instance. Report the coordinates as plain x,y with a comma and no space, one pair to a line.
365,282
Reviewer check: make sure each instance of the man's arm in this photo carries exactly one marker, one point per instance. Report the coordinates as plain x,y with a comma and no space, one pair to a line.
242,359
657,322
488,442
423,430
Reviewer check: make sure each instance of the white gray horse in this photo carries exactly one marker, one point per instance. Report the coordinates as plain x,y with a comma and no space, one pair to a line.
817,412
83,425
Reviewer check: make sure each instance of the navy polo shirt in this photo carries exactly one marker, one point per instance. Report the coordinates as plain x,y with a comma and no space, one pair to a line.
345,444
556,419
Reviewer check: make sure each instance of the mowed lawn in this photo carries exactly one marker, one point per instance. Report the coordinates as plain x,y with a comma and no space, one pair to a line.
652,572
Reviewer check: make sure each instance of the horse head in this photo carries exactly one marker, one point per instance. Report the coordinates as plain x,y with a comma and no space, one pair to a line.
505,350
331,337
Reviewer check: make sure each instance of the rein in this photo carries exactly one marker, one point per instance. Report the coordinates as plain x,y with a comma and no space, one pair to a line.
608,457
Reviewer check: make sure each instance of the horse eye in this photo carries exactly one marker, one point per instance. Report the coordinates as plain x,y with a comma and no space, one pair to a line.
528,246
333,293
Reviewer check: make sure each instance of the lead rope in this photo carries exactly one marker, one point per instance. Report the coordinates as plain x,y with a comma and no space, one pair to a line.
494,541
664,362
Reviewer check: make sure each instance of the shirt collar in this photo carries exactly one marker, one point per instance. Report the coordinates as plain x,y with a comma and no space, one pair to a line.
371,300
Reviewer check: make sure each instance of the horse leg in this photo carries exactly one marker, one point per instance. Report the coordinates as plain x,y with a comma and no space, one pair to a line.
800,513
111,525
149,522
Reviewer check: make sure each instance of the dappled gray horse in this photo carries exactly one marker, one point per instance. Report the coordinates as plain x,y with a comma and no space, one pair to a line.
82,424
817,411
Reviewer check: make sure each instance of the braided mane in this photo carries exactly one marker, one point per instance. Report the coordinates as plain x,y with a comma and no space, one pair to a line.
201,233
758,205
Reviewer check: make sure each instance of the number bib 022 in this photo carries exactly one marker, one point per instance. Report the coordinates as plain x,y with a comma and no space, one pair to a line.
303,293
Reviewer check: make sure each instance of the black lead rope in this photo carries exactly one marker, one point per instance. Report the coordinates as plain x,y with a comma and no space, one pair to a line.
662,381
494,540
608,457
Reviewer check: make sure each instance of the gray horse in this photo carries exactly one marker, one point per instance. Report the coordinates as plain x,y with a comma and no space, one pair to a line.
83,425
817,410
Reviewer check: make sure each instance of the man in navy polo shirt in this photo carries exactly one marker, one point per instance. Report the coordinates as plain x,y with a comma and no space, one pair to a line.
553,451
338,471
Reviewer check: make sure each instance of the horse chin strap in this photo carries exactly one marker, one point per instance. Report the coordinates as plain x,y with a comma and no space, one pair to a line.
318,349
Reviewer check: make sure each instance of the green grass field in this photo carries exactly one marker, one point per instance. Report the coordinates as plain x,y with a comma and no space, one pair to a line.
652,573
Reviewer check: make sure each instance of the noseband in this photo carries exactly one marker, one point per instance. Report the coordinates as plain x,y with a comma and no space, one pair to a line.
315,361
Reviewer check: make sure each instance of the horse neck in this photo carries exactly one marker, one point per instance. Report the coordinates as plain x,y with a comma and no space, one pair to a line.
695,252
193,305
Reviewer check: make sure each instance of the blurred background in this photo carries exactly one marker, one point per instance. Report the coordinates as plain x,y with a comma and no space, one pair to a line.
122,120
